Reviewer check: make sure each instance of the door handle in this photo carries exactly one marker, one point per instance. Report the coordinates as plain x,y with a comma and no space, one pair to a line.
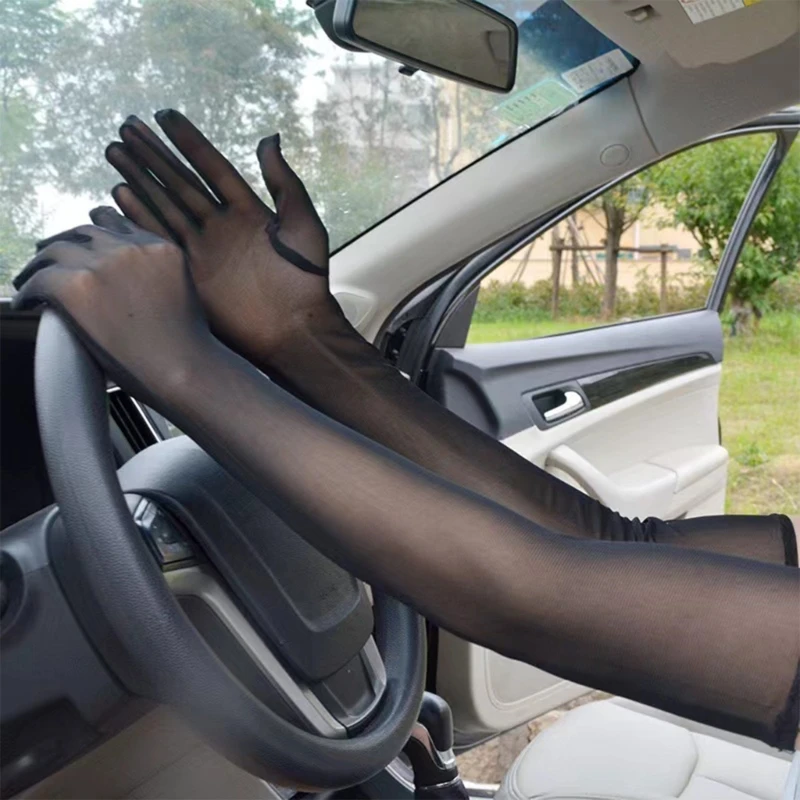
572,402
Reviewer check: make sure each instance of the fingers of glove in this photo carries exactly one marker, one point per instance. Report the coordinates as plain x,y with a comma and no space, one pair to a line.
151,152
124,233
117,230
110,219
29,270
45,277
150,137
138,212
168,209
79,235
292,201
72,246
211,165
42,287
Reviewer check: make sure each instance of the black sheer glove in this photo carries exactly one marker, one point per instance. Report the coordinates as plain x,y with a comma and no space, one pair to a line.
709,637
277,311
261,274
127,293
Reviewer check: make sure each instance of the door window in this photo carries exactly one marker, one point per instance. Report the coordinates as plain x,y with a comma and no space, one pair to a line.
648,246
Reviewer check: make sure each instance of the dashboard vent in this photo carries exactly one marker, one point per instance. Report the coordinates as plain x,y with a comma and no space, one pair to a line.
131,419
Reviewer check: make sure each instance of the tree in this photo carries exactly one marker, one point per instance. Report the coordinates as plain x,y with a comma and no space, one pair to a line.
703,190
381,139
575,269
233,67
67,80
28,30
20,217
365,161
556,255
616,211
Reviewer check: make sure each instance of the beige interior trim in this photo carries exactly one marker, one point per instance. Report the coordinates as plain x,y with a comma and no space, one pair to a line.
680,456
727,39
551,165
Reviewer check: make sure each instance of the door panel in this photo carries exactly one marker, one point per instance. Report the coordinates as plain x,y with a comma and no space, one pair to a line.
655,452
489,384
642,437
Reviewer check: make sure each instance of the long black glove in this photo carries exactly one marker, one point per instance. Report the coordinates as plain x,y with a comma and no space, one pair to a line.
707,636
274,307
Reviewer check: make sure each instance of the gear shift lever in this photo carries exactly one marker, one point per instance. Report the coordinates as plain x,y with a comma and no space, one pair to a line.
435,715
430,751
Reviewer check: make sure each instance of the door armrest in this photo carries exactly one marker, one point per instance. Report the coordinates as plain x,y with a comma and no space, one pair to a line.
641,490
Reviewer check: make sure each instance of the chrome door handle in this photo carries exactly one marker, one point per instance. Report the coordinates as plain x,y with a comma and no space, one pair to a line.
572,402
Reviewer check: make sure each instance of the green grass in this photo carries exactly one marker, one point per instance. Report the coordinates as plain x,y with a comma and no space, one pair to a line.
760,416
759,406
512,331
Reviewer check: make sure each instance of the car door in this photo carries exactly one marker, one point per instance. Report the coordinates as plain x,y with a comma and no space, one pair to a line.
627,412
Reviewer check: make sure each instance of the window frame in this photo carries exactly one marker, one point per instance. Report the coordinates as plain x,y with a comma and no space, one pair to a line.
459,293
784,138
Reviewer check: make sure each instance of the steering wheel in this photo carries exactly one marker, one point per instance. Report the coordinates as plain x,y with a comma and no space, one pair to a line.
334,706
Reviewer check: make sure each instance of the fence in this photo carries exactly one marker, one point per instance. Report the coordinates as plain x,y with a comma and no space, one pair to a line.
560,248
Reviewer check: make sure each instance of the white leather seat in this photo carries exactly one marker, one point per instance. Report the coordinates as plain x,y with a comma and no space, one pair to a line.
613,749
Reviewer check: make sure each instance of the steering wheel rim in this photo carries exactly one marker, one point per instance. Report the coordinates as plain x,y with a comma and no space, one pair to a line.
155,650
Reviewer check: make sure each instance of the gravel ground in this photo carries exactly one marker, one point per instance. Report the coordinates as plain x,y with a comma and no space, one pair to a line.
489,762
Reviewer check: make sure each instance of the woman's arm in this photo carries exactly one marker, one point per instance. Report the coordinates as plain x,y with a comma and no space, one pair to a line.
337,372
705,636
709,637
281,316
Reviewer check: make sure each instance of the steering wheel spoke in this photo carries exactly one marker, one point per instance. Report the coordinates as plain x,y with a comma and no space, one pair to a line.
223,624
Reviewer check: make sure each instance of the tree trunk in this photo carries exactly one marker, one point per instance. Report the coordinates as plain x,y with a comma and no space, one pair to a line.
615,223
744,315
556,243
573,239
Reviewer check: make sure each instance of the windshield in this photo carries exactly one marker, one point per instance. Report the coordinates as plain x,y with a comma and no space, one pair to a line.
365,138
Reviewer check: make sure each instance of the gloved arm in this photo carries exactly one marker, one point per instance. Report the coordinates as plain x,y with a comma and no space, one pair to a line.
273,306
710,637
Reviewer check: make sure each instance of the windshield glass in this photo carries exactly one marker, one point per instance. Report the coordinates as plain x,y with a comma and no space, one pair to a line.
365,138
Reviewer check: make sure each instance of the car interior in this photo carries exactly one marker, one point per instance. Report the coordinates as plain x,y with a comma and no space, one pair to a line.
272,672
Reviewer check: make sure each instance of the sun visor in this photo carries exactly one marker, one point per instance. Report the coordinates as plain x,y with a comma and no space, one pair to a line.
694,33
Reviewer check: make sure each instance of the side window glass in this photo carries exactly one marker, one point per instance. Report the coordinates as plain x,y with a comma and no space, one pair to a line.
648,246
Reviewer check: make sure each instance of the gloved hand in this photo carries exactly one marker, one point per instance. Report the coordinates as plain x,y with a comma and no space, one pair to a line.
261,274
128,294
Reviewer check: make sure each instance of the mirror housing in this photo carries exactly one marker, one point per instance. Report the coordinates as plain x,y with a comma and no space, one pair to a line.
462,40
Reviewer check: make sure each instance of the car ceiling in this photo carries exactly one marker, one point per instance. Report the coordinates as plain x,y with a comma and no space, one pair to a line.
694,80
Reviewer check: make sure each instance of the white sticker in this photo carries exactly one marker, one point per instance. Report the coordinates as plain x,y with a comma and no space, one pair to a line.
704,10
535,103
599,70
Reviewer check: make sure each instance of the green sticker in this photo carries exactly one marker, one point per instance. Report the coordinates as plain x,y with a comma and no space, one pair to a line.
535,103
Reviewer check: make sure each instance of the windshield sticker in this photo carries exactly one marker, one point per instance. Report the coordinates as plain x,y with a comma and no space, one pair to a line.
592,74
536,103
704,10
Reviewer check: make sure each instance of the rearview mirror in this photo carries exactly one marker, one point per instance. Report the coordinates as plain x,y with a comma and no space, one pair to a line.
458,39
